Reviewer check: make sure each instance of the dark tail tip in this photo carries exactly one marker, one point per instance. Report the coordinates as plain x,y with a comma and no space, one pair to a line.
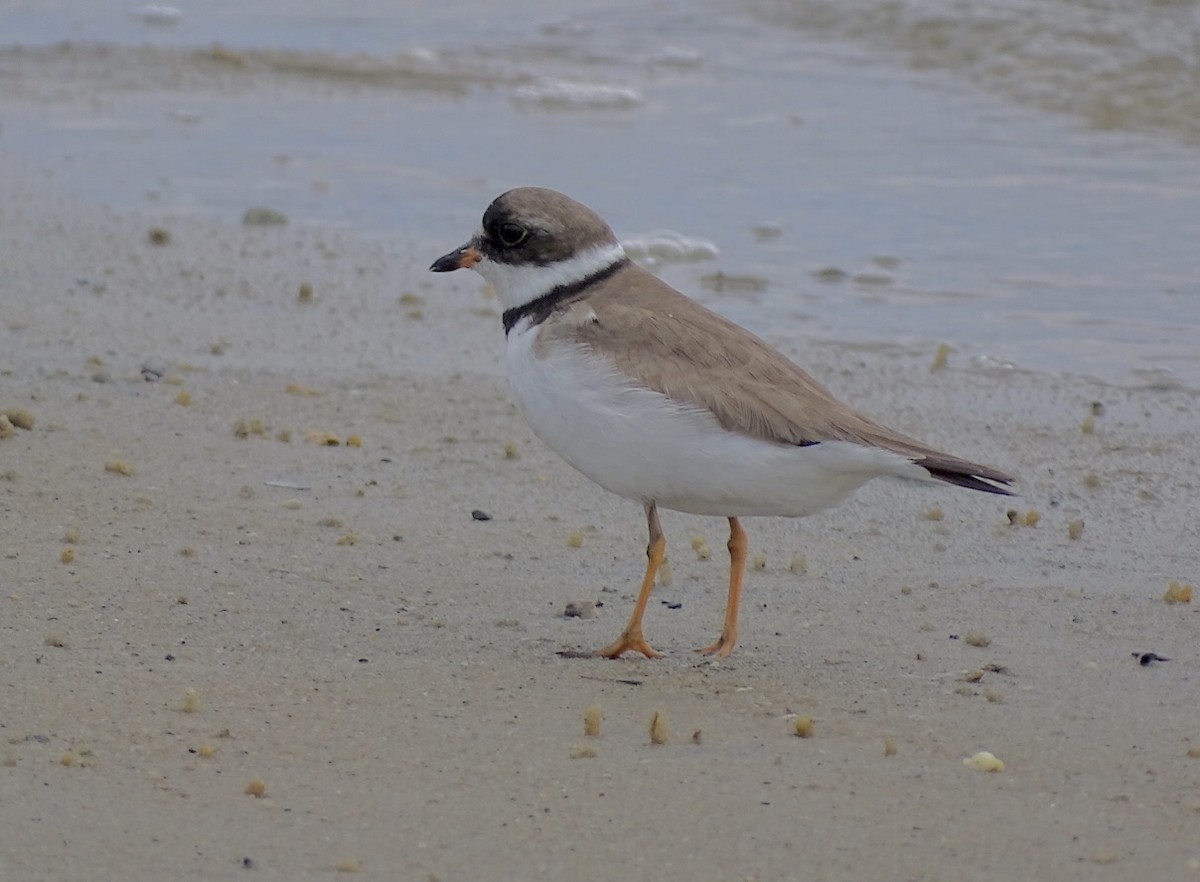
999,485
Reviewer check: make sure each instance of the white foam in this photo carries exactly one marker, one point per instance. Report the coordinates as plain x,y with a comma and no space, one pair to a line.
562,93
668,246
158,14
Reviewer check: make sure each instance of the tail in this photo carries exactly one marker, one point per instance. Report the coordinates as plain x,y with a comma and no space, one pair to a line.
973,477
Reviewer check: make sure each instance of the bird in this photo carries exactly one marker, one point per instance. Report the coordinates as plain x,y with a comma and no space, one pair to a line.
662,401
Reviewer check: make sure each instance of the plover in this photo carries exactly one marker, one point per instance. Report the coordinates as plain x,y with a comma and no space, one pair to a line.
658,399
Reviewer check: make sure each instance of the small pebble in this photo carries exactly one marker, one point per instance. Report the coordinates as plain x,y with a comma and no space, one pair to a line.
480,515
1145,659
1074,529
803,726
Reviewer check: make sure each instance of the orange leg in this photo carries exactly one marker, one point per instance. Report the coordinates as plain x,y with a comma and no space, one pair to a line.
631,638
737,565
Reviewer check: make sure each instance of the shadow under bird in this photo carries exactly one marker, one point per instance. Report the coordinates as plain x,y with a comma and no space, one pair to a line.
659,400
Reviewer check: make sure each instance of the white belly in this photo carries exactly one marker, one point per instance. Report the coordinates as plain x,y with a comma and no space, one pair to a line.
642,445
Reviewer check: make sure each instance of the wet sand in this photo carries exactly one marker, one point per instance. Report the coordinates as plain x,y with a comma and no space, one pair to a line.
385,664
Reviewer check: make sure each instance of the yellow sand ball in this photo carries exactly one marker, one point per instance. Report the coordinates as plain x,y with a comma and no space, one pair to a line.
984,762
940,357
191,702
1177,593
658,729
803,726
591,721
19,417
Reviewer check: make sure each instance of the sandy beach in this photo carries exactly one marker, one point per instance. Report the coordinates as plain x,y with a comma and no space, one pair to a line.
283,572
246,608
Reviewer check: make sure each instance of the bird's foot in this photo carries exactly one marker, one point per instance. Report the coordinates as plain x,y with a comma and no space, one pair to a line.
629,641
722,647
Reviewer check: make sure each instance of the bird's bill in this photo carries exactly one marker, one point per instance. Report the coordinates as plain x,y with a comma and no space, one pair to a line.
460,258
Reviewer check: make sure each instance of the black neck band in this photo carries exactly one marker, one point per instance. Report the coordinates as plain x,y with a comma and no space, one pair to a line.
540,308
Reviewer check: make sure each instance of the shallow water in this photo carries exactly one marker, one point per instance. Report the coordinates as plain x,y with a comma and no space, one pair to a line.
1022,238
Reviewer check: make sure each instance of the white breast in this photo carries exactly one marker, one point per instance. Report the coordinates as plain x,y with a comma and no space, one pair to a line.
643,445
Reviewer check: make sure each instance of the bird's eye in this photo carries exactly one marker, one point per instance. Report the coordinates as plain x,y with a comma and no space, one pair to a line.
511,235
